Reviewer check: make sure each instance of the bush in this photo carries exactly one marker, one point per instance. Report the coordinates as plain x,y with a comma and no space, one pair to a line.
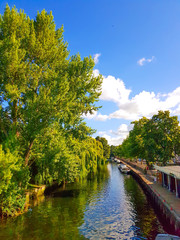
13,180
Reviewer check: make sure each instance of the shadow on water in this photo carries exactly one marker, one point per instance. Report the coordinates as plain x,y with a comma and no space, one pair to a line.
108,205
149,204
145,217
66,193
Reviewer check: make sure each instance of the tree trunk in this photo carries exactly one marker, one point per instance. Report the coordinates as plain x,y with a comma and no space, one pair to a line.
28,152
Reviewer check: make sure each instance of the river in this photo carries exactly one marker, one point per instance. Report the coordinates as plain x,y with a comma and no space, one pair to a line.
109,205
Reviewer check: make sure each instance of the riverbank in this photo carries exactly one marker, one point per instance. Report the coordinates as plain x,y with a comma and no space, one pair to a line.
166,203
33,196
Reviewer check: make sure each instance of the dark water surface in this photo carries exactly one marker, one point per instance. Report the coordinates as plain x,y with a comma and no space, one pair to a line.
109,206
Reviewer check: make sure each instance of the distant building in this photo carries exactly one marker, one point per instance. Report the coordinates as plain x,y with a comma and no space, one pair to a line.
169,177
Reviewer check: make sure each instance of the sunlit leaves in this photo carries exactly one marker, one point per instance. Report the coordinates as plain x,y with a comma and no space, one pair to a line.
44,93
155,139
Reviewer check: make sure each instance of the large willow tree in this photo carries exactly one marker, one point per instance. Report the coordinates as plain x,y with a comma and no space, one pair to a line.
43,90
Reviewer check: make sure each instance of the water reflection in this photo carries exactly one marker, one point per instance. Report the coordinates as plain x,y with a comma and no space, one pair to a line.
109,205
144,216
112,214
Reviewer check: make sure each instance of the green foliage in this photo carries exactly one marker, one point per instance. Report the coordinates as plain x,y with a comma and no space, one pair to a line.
106,147
44,94
53,158
14,178
136,139
161,133
38,83
57,157
155,139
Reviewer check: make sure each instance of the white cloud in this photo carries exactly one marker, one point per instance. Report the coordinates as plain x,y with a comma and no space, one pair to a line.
173,98
123,114
142,104
121,133
95,72
122,130
101,133
131,108
96,57
176,111
90,116
114,90
113,140
143,60
101,117
96,116
147,104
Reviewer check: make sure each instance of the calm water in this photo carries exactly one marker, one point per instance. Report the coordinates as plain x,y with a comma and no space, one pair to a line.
109,206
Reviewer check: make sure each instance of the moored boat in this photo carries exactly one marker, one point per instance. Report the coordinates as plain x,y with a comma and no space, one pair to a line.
124,169
166,237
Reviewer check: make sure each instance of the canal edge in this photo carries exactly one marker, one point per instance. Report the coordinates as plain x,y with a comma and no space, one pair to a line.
160,203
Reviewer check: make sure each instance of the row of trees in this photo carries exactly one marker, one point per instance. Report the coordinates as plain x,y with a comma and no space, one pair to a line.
43,94
156,139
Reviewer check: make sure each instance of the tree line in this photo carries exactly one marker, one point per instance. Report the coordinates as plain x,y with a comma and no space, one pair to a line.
156,139
44,93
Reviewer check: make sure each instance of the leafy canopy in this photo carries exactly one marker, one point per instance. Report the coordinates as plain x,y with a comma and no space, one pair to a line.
44,93
155,139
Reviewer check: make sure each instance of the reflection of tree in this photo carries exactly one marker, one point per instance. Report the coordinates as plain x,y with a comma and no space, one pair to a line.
144,215
59,217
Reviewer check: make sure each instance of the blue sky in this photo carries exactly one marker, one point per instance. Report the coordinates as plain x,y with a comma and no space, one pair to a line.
137,49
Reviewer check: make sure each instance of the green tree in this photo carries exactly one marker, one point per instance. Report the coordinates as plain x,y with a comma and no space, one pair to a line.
106,147
112,151
162,132
124,149
136,139
155,139
39,84
44,94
